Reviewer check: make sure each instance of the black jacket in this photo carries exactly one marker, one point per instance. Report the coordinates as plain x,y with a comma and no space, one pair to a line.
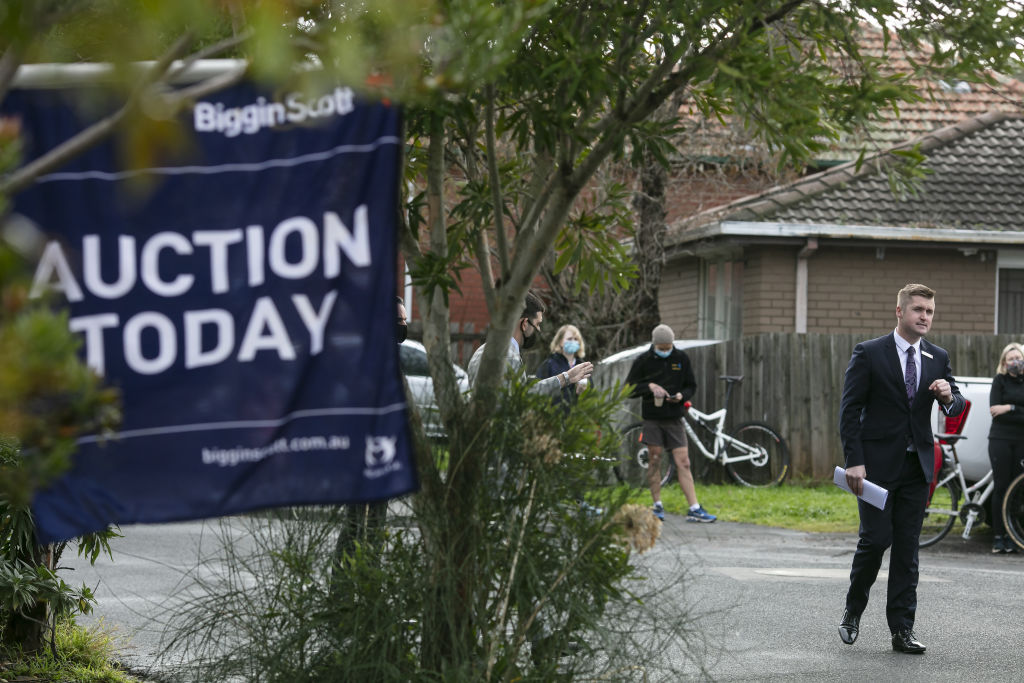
876,422
1007,389
674,374
556,364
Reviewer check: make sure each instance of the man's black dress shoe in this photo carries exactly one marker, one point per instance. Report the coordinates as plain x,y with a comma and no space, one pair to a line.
849,627
904,641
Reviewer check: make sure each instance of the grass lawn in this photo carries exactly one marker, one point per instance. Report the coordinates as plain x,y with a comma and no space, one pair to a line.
792,505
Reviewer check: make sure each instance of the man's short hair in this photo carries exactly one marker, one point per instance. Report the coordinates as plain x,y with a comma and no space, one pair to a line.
903,298
532,306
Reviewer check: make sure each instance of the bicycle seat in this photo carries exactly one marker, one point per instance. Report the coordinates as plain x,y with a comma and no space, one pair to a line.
949,438
732,378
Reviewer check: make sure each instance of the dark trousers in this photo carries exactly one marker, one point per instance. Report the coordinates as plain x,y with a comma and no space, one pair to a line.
1005,456
898,526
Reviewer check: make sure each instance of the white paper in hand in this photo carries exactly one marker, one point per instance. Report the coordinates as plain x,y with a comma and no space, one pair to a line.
873,493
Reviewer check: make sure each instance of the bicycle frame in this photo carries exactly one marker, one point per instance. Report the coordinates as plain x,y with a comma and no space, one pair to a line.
715,423
974,496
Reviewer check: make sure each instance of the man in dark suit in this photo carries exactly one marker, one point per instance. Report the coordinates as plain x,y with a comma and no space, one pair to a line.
884,422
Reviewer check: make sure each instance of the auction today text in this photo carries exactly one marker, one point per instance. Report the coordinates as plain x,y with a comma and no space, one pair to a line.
265,256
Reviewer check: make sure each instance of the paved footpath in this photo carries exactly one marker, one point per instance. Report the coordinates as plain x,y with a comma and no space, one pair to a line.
772,600
768,602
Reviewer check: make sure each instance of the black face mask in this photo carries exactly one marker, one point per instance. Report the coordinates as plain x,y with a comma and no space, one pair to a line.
402,333
529,342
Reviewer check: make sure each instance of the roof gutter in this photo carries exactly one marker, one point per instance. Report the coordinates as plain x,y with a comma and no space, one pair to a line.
838,231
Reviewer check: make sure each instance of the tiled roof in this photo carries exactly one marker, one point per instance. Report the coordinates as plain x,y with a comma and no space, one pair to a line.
942,104
976,183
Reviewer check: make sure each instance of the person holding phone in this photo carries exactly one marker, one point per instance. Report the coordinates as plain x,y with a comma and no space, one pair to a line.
663,378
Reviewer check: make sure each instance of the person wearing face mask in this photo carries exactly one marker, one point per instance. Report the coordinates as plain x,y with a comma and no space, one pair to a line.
663,378
1006,436
525,336
402,331
567,349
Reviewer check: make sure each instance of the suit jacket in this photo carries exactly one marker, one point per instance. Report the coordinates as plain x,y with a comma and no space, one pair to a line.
874,414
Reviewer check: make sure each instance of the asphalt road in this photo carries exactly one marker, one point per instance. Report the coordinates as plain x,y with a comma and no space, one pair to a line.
767,602
773,600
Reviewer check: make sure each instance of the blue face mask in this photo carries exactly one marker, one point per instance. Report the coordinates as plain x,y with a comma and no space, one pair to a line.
571,347
662,354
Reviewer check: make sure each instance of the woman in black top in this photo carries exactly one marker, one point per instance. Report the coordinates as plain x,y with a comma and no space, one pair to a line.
1006,436
567,349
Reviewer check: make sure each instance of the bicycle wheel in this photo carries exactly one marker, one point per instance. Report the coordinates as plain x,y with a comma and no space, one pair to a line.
634,459
771,467
1013,511
940,514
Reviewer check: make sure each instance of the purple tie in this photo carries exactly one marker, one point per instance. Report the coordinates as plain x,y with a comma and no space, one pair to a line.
910,378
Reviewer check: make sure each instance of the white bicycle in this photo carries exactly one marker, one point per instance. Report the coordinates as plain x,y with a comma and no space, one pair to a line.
754,454
944,506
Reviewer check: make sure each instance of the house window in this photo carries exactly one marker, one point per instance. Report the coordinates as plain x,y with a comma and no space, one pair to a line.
720,310
1010,318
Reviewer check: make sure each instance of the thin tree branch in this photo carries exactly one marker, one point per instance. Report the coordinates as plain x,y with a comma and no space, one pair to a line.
24,176
495,181
210,51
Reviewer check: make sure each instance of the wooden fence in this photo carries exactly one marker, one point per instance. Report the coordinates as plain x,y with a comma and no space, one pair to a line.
794,383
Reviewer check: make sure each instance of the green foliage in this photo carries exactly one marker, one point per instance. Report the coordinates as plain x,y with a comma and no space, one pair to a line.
84,655
539,573
48,397
32,593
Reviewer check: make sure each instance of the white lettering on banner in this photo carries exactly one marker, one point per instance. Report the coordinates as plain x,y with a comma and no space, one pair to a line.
266,318
218,241
327,245
254,235
51,263
167,348
93,326
306,231
195,355
151,264
125,267
265,331
214,117
316,322
229,457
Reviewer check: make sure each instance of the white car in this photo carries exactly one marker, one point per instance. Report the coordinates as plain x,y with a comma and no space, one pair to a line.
413,359
973,424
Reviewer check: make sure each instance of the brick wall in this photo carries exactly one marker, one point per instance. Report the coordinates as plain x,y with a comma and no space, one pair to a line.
692,191
769,289
678,297
851,290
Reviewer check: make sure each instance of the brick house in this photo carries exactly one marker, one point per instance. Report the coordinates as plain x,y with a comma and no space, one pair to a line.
723,167
827,253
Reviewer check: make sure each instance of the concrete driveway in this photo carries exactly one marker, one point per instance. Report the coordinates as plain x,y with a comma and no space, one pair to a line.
767,601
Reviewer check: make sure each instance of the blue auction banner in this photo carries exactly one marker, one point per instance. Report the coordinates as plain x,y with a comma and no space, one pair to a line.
240,293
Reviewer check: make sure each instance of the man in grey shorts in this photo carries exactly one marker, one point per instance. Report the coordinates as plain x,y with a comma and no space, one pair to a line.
663,377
